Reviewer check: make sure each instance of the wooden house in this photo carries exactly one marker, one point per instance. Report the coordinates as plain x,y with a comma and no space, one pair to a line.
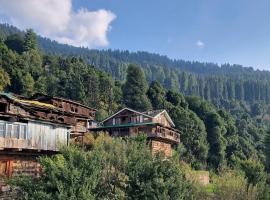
38,126
83,117
156,124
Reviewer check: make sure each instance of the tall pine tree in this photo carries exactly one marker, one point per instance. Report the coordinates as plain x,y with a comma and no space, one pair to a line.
156,94
30,40
135,88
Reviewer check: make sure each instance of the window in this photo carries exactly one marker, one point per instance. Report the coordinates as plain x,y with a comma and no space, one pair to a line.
13,130
23,132
2,129
138,119
141,118
3,107
8,130
117,121
16,131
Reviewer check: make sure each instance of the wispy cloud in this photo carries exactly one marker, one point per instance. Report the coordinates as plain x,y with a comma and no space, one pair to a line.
200,44
57,20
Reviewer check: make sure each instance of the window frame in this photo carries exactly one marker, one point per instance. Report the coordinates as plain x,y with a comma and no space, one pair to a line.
10,131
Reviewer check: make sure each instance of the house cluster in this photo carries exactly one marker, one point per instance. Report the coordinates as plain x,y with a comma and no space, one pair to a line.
36,126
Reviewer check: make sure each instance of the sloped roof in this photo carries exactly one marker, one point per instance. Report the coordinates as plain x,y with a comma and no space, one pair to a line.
150,113
26,101
41,97
153,113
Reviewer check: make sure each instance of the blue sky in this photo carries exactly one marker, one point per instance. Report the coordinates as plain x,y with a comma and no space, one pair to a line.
220,31
234,31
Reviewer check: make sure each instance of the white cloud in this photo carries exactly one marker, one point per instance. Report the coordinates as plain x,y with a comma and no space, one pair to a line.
56,19
200,44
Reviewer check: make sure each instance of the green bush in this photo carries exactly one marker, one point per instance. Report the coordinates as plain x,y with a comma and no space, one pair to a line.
232,185
112,169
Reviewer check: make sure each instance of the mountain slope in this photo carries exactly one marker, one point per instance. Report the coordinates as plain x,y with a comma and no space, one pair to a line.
208,80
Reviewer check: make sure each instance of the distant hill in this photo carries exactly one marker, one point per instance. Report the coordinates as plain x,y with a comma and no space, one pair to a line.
208,80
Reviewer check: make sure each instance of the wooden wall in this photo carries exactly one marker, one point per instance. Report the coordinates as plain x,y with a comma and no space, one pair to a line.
33,135
162,120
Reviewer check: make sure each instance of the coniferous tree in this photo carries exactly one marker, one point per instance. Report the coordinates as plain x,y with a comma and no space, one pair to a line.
15,42
267,150
156,94
135,88
4,79
30,40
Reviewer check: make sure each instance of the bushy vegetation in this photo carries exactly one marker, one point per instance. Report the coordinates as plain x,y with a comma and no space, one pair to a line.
111,169
115,168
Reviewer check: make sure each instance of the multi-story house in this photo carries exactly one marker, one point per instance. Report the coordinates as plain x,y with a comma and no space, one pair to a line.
156,124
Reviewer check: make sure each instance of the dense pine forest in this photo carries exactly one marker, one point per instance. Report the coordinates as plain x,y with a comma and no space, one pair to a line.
222,111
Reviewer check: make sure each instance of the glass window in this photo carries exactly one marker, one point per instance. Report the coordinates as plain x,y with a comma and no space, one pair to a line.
141,118
8,130
2,129
138,119
117,121
23,133
16,131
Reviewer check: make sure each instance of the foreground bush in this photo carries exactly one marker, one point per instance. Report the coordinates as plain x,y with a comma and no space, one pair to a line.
232,185
112,169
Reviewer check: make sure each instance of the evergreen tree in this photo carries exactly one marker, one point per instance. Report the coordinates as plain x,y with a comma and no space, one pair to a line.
267,150
4,79
15,42
30,40
135,88
156,94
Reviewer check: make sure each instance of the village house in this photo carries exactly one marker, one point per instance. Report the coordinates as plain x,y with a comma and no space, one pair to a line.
33,127
156,124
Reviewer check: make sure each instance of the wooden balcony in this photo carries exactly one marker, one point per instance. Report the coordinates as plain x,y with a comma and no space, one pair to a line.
166,133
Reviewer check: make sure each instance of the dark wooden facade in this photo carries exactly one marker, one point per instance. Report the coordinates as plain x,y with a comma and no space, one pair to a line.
157,125
82,116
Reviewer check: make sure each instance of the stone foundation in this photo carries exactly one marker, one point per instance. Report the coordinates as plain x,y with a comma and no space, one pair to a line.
158,146
13,164
16,165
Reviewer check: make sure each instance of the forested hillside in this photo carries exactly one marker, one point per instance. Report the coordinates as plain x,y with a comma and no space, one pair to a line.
228,134
208,80
211,136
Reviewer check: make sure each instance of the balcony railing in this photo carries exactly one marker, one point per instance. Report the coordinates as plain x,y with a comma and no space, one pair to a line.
166,134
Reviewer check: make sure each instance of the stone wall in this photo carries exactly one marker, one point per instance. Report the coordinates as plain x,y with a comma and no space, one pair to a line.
16,165
158,146
9,193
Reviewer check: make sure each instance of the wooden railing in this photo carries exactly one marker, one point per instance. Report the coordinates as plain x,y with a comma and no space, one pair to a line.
167,134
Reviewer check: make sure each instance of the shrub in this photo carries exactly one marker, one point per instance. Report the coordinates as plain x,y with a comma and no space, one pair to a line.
232,185
113,169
